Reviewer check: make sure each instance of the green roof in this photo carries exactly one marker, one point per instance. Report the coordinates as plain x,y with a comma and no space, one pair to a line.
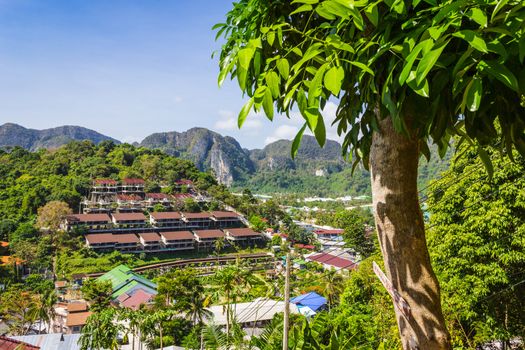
122,279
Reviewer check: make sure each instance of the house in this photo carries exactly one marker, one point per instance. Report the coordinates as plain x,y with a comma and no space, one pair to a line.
225,219
178,240
140,297
124,242
243,236
104,186
150,241
333,234
14,344
125,281
170,219
132,185
183,183
52,341
157,198
197,220
129,220
206,238
332,260
256,313
92,222
77,315
129,202
310,303
101,241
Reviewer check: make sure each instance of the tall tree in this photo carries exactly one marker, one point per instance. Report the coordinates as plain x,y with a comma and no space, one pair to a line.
100,331
477,245
403,72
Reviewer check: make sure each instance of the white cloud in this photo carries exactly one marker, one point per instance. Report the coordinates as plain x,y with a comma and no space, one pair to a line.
285,131
229,121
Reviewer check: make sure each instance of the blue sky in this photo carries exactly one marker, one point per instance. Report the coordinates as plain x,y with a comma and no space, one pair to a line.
125,68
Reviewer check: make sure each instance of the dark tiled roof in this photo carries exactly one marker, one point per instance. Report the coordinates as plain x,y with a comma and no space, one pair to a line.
95,238
150,236
333,260
177,235
77,318
129,216
196,215
105,182
224,214
157,196
133,182
88,218
242,232
76,307
166,215
209,233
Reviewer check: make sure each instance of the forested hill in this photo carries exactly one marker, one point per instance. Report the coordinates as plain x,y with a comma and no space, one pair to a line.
315,171
31,139
31,179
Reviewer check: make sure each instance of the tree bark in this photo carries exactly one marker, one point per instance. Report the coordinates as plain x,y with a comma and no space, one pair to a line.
400,227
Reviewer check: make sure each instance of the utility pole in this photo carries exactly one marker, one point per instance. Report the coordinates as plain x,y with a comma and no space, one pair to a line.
286,303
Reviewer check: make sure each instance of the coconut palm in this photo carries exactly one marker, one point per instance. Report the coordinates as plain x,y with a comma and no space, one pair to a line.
100,331
46,311
332,286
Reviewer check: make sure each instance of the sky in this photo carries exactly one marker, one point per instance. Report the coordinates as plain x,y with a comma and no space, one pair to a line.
125,68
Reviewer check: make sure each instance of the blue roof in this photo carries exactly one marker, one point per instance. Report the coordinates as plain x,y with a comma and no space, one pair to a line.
313,300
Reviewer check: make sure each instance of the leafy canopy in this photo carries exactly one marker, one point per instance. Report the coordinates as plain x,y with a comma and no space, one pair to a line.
437,68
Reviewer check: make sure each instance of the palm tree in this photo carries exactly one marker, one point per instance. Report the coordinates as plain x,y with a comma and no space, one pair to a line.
333,286
227,279
153,323
196,310
47,312
100,331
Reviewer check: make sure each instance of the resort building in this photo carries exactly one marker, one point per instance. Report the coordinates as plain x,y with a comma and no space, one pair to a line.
150,241
243,236
132,186
91,222
178,240
206,238
169,219
129,220
197,220
225,219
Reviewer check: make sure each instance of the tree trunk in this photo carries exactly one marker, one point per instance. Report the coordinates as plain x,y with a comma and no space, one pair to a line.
399,221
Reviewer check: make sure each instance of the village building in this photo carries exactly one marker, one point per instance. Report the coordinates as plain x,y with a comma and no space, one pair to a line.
132,186
178,240
129,202
125,283
150,241
243,236
206,238
332,260
169,219
91,222
197,220
77,315
332,234
129,220
153,199
225,219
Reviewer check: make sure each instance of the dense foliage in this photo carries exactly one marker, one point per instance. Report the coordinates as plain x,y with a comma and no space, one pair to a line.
477,244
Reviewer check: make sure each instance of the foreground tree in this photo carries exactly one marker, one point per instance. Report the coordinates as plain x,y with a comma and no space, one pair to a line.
403,72
477,245
100,331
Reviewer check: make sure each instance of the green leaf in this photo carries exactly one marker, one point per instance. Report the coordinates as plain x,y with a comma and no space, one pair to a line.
473,94
324,12
283,67
333,79
312,116
486,161
320,131
267,104
500,72
241,77
498,7
244,112
372,13
473,39
245,56
420,89
218,25
478,16
270,38
316,85
272,80
362,67
311,2
303,8
428,61
224,72
409,62
297,141
522,48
